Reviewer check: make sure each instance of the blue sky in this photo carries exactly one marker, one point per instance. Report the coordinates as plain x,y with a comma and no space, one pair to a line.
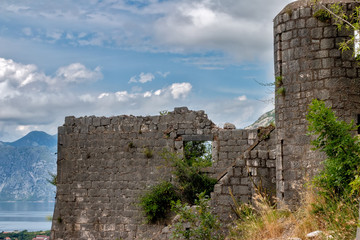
114,57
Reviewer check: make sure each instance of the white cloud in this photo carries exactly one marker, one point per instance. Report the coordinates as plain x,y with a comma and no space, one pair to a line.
157,92
235,28
77,73
102,95
26,108
242,98
142,78
19,75
180,90
147,94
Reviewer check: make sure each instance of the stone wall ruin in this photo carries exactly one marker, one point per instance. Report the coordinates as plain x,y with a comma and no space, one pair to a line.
103,168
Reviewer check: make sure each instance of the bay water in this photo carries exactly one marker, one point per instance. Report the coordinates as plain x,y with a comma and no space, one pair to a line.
30,216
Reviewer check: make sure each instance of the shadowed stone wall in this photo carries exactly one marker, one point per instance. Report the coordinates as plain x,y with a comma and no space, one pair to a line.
255,165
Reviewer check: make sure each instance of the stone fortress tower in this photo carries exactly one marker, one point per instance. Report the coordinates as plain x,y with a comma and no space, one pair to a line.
309,65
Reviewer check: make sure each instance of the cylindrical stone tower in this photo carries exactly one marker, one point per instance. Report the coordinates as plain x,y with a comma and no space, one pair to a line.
308,65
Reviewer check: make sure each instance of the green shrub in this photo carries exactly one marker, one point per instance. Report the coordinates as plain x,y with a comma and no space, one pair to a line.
334,138
198,153
278,81
191,181
156,203
322,15
280,91
196,222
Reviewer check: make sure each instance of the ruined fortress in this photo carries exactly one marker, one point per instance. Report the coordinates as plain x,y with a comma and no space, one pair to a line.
103,168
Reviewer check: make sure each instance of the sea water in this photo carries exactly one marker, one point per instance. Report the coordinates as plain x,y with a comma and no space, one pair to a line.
30,216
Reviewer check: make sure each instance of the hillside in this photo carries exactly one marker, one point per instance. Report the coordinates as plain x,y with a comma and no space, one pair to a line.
24,168
264,120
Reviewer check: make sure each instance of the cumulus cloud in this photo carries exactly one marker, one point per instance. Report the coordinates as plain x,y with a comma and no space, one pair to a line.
142,78
77,73
16,75
26,107
242,98
30,99
235,28
180,90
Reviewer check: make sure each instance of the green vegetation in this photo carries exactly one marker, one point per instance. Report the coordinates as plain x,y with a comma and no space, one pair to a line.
200,223
279,85
53,179
189,184
280,91
23,235
258,222
342,149
157,202
148,152
329,203
342,19
190,179
322,15
164,112
278,81
198,153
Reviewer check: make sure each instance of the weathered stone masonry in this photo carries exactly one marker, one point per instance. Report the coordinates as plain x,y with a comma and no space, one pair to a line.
103,169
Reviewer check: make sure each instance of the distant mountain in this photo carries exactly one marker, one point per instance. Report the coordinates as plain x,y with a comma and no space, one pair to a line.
25,166
264,120
36,138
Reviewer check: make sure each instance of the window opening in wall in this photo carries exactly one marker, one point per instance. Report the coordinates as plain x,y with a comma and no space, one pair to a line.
198,153
191,172
357,45
358,123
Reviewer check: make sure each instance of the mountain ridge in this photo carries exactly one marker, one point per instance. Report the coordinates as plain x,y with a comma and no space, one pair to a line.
264,120
25,165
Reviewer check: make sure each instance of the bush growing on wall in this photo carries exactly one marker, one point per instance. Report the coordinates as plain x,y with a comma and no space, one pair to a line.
189,182
157,202
335,139
200,223
190,179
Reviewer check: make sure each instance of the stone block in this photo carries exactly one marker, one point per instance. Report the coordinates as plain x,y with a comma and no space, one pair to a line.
254,154
238,172
240,190
272,154
305,12
304,33
286,36
317,32
327,43
300,23
235,181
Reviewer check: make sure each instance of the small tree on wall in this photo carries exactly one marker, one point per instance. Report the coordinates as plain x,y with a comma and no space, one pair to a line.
335,139
190,181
